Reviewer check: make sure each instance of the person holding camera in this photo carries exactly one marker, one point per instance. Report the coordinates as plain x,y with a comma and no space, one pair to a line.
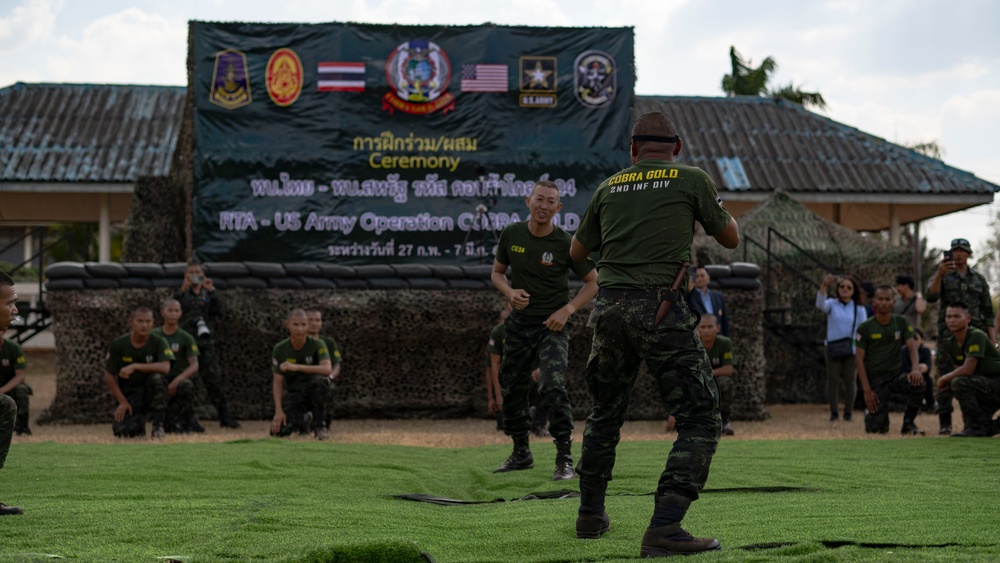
201,306
957,282
843,317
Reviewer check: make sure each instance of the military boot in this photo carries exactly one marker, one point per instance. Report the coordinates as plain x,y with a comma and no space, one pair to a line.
519,459
945,423
225,420
21,426
564,461
9,510
592,520
665,537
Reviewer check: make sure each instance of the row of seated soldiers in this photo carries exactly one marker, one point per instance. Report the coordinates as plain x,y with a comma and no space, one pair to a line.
149,372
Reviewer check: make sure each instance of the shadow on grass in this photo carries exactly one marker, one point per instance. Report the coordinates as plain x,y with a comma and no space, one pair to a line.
565,493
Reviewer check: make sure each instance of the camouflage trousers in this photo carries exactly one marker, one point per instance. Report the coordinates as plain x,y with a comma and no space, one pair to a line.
979,397
624,336
149,400
211,376
529,342
21,393
944,396
296,404
884,385
8,413
726,389
180,407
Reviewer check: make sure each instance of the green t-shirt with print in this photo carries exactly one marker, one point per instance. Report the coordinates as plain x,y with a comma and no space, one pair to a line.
11,359
977,345
497,337
721,353
121,353
641,220
881,343
310,354
332,348
540,266
184,347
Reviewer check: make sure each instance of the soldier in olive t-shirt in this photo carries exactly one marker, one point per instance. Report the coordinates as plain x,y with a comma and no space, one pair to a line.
134,370
301,385
12,382
179,416
538,253
880,366
975,383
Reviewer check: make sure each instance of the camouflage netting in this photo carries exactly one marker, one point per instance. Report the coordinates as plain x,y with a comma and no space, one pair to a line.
407,352
150,237
794,328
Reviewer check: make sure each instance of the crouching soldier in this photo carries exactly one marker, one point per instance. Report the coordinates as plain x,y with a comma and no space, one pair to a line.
301,364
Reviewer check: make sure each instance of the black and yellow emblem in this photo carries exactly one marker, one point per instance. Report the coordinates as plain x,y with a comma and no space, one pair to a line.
539,78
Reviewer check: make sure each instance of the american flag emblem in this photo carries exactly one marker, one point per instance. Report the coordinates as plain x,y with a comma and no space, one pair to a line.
484,78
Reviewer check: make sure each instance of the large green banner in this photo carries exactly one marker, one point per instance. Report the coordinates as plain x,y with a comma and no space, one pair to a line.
361,144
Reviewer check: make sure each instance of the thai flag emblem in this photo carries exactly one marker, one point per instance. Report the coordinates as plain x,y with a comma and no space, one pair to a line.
341,77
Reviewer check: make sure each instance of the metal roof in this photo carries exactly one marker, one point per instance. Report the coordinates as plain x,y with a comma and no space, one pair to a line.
781,145
87,132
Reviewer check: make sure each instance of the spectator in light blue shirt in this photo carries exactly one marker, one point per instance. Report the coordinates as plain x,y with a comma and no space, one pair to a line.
843,315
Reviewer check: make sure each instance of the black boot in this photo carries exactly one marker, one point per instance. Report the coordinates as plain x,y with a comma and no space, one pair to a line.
519,459
945,423
226,421
665,537
564,461
592,520
21,425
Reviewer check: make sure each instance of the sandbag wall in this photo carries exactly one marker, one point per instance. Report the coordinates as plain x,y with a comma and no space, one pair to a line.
412,336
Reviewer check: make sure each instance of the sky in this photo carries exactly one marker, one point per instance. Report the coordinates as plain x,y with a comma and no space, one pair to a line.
903,70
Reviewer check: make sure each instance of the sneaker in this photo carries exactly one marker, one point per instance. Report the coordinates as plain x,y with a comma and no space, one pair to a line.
564,470
671,539
158,432
944,431
307,423
519,459
727,430
9,510
322,433
592,526
911,429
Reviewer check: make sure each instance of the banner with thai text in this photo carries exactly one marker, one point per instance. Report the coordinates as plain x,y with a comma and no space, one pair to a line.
359,144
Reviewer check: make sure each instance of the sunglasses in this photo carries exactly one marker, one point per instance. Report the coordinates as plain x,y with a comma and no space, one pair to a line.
847,285
959,242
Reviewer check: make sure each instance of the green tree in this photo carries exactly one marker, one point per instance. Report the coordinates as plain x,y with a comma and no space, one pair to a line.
746,80
930,148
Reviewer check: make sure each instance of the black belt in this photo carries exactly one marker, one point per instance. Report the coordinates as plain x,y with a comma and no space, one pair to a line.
651,294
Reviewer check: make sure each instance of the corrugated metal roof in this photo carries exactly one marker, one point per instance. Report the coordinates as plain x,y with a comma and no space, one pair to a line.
87,132
784,146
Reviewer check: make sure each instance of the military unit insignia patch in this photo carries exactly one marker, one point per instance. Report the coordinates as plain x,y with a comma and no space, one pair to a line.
284,77
538,79
595,79
230,80
418,71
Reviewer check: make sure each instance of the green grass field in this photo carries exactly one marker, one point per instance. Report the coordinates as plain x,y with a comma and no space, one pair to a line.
271,500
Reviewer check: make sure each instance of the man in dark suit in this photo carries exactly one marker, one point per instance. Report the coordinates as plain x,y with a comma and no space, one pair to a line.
705,300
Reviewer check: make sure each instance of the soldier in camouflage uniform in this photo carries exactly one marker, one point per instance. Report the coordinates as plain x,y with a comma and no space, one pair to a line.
179,416
8,409
955,281
136,364
641,220
880,365
975,383
300,365
538,252
13,366
201,305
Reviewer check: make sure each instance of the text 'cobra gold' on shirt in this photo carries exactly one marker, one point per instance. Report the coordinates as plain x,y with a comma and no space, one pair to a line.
639,176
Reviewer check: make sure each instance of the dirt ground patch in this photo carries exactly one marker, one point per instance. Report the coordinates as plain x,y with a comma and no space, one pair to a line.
787,422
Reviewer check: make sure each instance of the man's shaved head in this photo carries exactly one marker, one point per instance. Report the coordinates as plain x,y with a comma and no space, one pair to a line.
654,123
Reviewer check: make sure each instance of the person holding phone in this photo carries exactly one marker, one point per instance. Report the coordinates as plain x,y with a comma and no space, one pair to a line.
957,282
201,305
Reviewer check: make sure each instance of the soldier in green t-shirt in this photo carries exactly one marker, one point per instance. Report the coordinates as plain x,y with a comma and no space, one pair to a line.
179,416
133,370
315,327
538,253
642,222
494,355
301,384
720,355
975,383
880,366
13,366
8,408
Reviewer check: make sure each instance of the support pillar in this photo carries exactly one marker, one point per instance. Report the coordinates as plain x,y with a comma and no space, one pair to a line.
104,230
